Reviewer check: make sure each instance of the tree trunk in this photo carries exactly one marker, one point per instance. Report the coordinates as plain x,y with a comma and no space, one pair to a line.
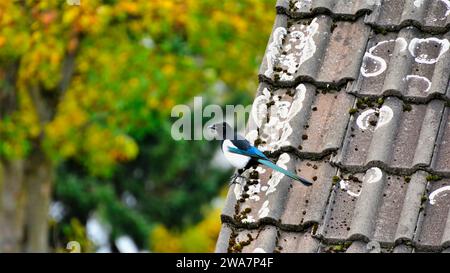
12,204
25,192
38,181
25,185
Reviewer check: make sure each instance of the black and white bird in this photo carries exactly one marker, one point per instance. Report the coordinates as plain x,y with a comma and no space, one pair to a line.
242,155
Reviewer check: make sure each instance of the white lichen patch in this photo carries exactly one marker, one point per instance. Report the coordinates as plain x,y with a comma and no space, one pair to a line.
373,175
274,49
298,4
297,104
259,107
282,108
374,65
441,192
289,62
426,47
447,5
260,170
249,219
373,2
277,176
259,250
386,115
305,45
447,9
264,210
253,191
418,3
423,83
238,187
290,56
345,186
373,247
275,133
363,119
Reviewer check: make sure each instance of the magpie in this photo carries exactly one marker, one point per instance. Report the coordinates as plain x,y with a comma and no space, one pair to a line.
242,155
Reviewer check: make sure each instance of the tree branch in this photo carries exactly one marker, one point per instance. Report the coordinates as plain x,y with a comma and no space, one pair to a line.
8,95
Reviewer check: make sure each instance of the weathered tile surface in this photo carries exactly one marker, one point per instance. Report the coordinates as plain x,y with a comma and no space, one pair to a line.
408,64
354,95
434,231
428,15
397,136
318,50
441,160
340,9
310,121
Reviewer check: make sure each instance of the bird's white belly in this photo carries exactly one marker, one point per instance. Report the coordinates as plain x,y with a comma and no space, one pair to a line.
238,161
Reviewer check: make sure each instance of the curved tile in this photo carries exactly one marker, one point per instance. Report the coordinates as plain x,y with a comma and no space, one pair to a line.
399,138
339,213
367,205
316,50
402,249
236,240
428,15
310,122
411,208
305,206
327,123
390,210
297,242
441,157
407,64
338,9
432,232
223,239
282,116
357,247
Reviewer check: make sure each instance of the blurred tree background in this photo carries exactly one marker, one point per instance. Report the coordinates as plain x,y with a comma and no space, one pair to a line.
86,91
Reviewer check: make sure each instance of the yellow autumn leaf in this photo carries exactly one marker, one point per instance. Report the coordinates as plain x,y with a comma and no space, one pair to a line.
2,41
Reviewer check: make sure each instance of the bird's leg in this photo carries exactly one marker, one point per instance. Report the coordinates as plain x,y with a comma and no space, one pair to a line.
251,164
236,175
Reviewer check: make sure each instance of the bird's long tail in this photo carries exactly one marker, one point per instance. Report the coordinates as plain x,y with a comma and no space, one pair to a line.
286,172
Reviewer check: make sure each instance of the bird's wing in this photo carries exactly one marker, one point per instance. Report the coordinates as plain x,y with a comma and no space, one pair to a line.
243,144
250,151
239,151
240,142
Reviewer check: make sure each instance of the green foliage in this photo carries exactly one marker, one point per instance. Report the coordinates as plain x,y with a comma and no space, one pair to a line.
83,195
201,237
107,123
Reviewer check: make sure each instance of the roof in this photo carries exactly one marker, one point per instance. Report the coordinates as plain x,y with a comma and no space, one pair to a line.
353,95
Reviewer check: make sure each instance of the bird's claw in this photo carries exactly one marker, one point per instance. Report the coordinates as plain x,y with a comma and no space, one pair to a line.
234,178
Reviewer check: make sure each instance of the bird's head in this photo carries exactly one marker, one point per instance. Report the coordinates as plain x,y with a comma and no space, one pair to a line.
222,130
